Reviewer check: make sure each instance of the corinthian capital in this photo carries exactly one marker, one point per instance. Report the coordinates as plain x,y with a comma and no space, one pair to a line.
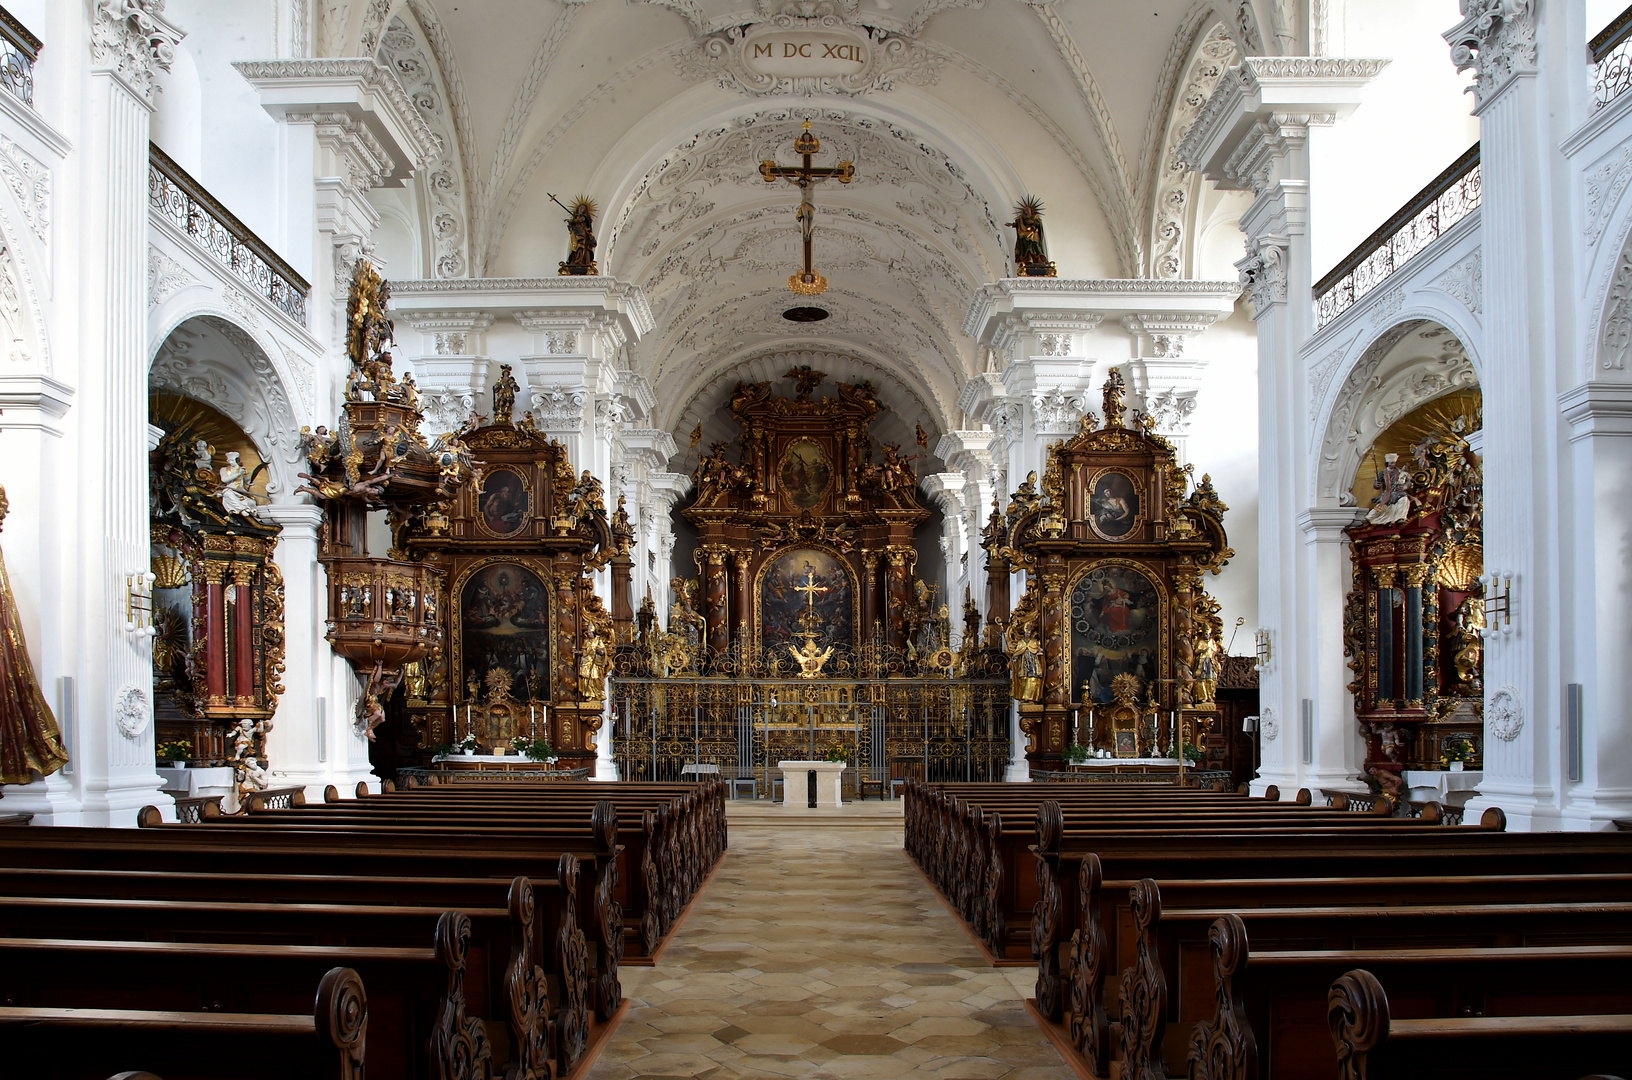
131,39
1497,39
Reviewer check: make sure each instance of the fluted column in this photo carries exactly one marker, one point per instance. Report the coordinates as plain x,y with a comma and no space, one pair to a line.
300,747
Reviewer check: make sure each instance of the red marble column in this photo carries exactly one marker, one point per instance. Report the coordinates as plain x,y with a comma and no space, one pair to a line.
215,638
243,637
715,588
898,595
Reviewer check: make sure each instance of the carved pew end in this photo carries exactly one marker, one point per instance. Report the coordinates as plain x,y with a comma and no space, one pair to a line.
149,817
1272,793
1339,801
362,789
1493,818
1432,814
331,794
1304,797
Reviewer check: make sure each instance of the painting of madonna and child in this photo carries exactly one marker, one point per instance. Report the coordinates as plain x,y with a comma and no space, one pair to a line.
806,579
1115,630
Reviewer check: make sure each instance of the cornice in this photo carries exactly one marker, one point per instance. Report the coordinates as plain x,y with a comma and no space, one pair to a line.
352,84
1093,299
514,295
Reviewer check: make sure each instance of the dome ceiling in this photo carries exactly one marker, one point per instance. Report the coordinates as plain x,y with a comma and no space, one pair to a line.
656,109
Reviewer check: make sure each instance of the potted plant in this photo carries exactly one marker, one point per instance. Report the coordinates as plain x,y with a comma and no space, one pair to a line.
177,753
533,749
467,746
1192,755
1456,753
1076,753
837,753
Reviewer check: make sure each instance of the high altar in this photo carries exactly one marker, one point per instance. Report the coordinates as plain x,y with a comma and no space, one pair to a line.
807,631
1115,646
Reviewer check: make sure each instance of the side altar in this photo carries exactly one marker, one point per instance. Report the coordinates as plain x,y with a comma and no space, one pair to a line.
1115,646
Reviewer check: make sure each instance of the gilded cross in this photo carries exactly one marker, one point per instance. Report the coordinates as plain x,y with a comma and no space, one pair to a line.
806,176
810,588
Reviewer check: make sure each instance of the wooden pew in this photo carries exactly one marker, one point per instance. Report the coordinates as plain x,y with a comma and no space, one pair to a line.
327,1043
1269,1015
1372,1045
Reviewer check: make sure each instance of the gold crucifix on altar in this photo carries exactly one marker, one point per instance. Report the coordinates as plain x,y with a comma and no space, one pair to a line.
808,282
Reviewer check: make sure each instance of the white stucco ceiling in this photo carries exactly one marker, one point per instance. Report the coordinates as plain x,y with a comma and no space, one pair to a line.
987,100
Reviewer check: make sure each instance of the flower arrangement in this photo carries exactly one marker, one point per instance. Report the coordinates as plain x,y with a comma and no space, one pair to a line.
1456,749
1192,754
837,753
535,749
179,750
468,744
1076,753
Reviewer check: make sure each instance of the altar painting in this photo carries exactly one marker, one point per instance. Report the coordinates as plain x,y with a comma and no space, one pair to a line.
806,579
1113,504
1115,630
502,505
504,624
804,473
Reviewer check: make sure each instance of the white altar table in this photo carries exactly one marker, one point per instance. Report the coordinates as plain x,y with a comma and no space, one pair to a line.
796,784
1441,785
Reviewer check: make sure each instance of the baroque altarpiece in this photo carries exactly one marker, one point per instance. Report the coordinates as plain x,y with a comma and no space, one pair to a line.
807,631
1115,647
482,613
216,595
1415,618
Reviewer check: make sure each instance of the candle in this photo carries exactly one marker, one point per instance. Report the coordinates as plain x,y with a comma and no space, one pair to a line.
532,720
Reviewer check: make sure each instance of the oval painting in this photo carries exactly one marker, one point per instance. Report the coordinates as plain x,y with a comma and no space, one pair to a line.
503,502
1113,505
804,473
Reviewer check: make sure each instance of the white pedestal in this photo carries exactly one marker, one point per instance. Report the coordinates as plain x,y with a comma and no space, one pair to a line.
795,784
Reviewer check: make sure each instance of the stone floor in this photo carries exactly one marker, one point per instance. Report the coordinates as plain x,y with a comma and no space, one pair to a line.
821,953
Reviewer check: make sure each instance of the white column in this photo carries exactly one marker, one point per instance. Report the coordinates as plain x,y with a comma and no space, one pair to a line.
1523,693
1336,751
296,744
116,766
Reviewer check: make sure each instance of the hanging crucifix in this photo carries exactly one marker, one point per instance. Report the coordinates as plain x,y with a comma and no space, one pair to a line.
808,282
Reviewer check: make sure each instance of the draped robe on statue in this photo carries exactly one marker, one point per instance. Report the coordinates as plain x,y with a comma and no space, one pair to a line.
30,741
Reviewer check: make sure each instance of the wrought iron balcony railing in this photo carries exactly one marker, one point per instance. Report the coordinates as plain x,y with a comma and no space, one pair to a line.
1450,197
18,51
1611,60
194,211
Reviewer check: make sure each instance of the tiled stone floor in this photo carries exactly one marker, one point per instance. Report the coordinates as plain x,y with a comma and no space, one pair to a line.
821,953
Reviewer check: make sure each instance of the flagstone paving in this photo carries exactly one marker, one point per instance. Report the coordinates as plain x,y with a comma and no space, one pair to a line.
820,953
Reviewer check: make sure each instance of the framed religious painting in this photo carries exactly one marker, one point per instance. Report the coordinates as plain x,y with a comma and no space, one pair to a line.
806,586
503,503
1116,619
1115,504
504,633
804,474
1127,743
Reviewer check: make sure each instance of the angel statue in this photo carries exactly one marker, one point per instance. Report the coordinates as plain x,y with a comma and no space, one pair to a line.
1030,251
236,498
581,236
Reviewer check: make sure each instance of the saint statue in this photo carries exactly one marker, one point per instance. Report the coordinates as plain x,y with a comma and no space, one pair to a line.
30,741
1393,503
1025,660
580,235
1030,251
235,494
504,396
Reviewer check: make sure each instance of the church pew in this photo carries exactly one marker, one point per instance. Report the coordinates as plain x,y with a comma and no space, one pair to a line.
326,1043
1169,983
655,869
1268,1010
418,999
1373,1045
496,985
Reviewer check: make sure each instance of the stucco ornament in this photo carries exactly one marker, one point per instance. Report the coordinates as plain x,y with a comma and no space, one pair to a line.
1269,723
132,711
1504,714
131,39
1497,39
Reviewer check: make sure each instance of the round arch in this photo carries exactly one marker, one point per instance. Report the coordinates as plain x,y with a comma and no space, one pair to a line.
207,356
1420,356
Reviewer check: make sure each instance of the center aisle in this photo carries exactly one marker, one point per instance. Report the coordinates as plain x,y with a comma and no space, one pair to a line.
817,951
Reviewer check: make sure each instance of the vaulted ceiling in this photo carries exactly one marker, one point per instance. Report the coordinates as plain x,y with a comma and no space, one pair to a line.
968,105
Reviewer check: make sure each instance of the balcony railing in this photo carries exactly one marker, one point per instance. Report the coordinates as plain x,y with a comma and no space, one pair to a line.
1612,60
1452,196
18,51
212,227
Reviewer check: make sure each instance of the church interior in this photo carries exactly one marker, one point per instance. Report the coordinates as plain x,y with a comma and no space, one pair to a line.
730,538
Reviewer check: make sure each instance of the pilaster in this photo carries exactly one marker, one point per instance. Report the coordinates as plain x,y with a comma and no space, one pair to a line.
294,744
